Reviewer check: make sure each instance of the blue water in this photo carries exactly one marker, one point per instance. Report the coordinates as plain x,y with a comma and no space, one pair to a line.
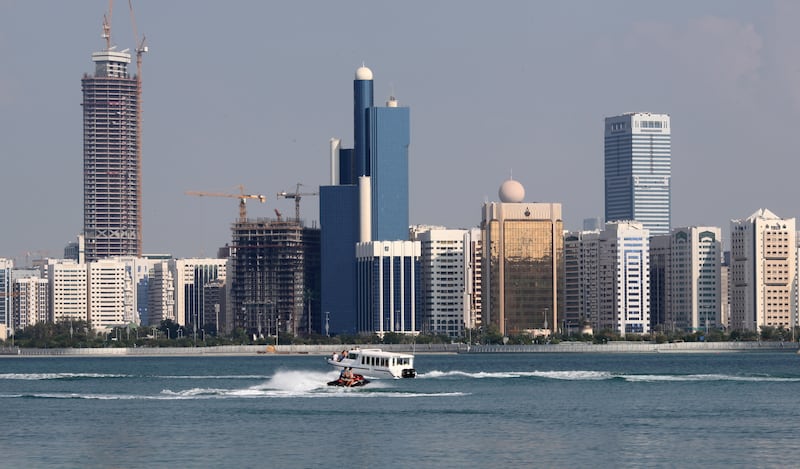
489,410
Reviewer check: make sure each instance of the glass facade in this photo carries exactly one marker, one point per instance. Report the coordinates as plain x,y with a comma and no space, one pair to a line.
338,215
526,272
638,170
389,137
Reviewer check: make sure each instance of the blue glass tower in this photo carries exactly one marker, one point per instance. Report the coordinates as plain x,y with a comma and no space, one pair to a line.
351,212
638,170
389,138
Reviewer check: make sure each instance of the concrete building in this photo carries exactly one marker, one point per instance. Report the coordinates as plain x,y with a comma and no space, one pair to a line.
443,280
112,185
623,278
6,290
691,258
69,293
111,295
638,170
473,273
581,294
30,302
763,272
388,287
523,262
274,277
190,277
161,295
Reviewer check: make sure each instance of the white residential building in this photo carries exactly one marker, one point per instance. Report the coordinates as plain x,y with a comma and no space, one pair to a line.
6,287
692,278
31,301
443,281
161,295
473,273
580,279
624,278
763,272
110,294
68,290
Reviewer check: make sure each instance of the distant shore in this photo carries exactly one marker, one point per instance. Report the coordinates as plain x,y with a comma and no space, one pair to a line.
271,350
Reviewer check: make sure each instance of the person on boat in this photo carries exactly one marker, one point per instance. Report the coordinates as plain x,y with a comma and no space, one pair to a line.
335,357
343,356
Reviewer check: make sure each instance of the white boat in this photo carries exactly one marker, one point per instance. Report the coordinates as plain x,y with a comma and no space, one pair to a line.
376,363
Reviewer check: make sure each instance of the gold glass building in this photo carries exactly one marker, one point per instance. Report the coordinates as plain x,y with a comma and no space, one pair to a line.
523,263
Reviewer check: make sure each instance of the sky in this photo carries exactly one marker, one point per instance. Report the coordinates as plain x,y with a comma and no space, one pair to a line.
250,93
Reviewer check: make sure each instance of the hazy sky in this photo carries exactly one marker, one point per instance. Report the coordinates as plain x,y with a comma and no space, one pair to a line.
250,92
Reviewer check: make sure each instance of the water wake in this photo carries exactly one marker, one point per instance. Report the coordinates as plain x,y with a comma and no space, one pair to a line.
45,376
589,375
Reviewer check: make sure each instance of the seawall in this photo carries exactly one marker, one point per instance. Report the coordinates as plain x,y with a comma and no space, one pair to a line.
261,350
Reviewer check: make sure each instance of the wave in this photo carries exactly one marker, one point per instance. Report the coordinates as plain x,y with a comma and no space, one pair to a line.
45,376
589,375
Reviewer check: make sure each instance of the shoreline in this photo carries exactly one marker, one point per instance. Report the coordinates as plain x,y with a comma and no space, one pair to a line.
322,350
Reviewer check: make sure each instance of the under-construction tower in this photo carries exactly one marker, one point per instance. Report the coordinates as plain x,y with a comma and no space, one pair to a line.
274,276
112,195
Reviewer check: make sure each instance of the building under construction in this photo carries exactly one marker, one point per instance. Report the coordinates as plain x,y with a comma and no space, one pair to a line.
274,276
112,176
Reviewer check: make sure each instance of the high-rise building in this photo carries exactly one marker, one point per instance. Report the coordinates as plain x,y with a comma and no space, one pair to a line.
273,277
367,199
68,291
689,276
30,301
6,288
623,279
763,272
443,281
190,276
638,170
523,262
580,283
473,273
112,185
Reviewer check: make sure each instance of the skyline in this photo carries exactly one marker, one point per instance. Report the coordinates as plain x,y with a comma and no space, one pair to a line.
512,89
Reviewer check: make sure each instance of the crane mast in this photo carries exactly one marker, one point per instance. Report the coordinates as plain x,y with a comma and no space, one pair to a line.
296,195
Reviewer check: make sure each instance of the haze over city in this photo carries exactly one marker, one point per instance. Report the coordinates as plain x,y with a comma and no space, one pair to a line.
251,94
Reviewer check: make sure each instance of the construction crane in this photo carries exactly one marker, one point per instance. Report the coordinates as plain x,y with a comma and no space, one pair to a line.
241,196
141,48
296,195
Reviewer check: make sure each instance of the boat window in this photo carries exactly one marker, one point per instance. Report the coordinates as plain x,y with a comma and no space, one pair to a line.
353,356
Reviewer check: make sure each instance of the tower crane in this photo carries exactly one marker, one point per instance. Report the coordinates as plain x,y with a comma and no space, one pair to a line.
296,195
241,196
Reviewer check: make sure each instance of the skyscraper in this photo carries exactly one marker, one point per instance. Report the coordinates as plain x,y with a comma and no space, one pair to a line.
638,170
367,199
112,198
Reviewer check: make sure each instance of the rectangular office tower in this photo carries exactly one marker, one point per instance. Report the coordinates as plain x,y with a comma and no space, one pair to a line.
112,195
638,169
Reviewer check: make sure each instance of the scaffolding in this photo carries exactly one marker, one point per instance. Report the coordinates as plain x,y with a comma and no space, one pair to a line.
272,274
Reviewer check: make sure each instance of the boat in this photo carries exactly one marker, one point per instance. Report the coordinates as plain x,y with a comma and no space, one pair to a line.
358,380
376,363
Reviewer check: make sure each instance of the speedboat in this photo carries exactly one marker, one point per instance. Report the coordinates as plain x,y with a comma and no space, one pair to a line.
358,380
376,363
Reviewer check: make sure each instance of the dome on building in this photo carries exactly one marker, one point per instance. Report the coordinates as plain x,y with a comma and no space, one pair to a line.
363,73
511,191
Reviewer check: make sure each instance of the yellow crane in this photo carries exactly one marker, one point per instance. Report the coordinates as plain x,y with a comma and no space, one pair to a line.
296,195
241,196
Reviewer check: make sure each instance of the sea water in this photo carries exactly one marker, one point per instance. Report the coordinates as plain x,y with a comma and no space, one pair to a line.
470,410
